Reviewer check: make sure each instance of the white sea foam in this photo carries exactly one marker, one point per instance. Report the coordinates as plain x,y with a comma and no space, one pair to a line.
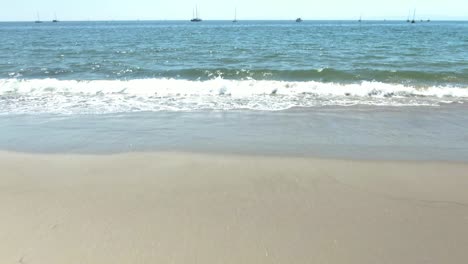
108,96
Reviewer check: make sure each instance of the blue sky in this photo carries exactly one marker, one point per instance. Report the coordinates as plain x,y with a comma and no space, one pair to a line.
25,10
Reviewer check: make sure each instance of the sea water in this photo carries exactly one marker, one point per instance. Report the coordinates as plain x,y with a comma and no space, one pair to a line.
389,90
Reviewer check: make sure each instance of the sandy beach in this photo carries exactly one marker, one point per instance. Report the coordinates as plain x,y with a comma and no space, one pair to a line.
197,208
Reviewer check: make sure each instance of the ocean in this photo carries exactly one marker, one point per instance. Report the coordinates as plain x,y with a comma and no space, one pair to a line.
334,89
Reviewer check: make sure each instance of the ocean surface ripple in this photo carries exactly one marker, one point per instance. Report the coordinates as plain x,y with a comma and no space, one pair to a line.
109,67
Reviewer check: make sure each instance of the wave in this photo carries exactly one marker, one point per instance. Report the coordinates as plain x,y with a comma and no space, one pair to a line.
93,71
110,96
324,75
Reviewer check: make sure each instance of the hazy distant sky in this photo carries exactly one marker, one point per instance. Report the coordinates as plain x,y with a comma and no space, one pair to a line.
25,10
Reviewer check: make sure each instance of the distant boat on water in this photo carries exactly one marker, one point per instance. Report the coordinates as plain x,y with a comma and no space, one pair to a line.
235,16
195,16
414,17
55,19
38,20
298,20
360,19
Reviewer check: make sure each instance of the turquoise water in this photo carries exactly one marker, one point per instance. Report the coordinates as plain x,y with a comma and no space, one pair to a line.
277,80
145,66
432,53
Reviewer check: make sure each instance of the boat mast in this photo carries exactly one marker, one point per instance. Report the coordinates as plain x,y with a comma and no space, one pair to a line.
195,18
38,18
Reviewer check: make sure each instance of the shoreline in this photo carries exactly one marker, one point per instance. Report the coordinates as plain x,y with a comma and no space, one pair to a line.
171,207
227,155
355,133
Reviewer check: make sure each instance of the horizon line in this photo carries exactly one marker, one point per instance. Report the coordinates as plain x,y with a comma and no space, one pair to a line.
180,20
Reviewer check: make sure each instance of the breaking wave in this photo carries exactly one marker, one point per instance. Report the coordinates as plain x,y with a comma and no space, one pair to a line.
112,96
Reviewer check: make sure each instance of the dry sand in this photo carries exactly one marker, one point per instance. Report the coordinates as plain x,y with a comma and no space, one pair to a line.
193,208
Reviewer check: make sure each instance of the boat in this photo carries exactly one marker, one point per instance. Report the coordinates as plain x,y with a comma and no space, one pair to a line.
414,17
298,20
407,19
235,16
55,18
360,19
38,19
195,16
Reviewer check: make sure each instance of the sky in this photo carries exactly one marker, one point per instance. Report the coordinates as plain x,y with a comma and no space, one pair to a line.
27,10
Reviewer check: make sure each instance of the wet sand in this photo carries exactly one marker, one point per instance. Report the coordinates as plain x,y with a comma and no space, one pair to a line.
197,208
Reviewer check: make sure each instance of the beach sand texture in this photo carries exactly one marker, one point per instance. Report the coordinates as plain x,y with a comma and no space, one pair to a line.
197,208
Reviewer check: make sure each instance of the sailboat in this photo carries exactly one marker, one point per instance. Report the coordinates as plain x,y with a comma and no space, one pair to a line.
414,17
235,16
38,19
55,18
407,19
195,16
360,19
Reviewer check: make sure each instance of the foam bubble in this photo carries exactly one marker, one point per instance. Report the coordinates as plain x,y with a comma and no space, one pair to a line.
108,96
